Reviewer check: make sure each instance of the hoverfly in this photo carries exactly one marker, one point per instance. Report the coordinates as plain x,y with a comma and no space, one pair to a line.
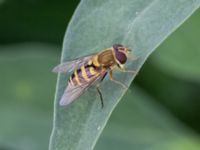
92,69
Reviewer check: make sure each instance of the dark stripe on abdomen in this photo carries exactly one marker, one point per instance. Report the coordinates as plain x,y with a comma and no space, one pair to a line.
89,74
80,77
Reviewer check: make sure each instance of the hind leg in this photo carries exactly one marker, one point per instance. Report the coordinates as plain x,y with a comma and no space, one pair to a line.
100,95
99,91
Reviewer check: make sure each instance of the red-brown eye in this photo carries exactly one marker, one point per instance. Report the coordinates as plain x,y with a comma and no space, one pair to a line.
121,57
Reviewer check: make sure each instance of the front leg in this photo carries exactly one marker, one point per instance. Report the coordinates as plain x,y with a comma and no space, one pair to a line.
117,82
122,68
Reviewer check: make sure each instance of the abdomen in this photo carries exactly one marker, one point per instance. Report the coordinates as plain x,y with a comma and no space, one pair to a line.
83,75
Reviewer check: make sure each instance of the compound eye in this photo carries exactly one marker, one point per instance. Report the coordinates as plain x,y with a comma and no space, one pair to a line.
121,57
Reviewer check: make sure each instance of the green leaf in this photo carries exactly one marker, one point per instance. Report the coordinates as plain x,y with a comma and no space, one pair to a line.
142,26
25,106
183,100
179,54
143,124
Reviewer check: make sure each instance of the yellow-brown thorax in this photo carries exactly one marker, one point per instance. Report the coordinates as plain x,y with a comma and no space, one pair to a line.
104,59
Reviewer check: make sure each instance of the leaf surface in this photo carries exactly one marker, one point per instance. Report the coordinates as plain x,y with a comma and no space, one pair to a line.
141,123
140,25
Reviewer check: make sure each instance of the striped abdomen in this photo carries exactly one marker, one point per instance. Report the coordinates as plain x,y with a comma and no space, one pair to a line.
84,74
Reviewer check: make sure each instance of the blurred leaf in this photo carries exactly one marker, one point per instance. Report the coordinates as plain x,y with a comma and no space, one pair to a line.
142,26
180,96
179,55
26,93
140,123
2,1
176,66
44,20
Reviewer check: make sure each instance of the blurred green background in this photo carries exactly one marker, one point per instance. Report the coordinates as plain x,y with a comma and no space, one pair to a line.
162,112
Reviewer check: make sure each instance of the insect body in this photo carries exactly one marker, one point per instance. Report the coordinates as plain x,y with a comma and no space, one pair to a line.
92,69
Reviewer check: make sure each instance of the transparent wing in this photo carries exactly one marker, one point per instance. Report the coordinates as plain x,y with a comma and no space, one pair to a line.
72,64
72,92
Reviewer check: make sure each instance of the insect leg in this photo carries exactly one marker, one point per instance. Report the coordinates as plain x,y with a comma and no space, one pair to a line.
100,95
99,92
129,71
121,68
132,58
117,82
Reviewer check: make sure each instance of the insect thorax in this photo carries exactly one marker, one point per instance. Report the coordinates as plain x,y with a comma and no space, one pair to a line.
106,58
